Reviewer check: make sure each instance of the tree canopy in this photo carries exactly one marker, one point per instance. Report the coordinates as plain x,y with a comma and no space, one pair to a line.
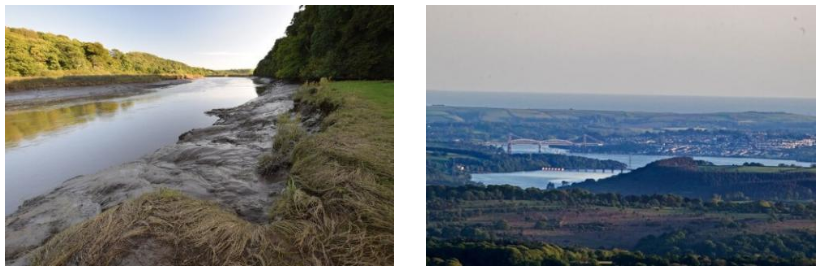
32,53
337,42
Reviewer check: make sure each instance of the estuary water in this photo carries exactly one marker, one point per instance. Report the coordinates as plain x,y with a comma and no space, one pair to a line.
540,179
47,145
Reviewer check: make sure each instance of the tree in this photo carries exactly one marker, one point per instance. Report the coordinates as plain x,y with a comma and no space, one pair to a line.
97,55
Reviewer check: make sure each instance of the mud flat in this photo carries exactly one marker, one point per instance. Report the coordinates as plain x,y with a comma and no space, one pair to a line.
215,163
29,98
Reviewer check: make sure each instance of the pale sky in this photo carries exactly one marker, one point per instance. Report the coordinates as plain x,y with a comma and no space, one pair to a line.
758,51
214,37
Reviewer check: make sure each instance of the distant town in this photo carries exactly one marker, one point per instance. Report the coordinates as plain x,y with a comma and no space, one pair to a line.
694,142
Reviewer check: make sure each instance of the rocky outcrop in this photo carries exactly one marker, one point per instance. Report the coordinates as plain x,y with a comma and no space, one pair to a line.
215,163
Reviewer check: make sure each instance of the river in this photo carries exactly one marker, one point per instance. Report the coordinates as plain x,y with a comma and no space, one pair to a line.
47,145
539,179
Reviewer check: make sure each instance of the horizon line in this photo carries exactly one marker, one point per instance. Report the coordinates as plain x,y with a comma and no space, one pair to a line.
622,94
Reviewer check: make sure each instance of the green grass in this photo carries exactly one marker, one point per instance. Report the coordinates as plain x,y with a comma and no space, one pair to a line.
379,93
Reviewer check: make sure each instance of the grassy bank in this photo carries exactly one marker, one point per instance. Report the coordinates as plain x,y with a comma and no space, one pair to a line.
337,209
29,83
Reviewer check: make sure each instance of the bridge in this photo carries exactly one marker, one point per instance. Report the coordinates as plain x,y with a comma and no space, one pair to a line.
516,140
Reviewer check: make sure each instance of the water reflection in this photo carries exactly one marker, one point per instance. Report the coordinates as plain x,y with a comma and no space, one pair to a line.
260,84
29,124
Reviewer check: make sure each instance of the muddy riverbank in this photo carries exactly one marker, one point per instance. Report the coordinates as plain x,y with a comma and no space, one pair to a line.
215,163
28,98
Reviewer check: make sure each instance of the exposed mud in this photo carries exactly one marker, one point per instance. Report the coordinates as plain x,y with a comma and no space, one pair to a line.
215,163
29,98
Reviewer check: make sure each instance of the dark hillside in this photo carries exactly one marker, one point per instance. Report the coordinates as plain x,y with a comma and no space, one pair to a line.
693,178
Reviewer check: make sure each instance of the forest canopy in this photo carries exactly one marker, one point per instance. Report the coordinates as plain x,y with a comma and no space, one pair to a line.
336,42
32,53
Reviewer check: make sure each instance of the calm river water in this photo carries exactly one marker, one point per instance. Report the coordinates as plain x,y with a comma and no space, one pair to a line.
48,145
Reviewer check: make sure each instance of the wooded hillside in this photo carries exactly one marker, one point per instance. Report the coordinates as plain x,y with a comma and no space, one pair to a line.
32,53
336,42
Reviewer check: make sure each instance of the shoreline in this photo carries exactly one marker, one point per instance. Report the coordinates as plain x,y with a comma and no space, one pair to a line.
19,100
215,163
22,84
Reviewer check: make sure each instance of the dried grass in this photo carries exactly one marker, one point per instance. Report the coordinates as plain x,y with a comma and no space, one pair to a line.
195,232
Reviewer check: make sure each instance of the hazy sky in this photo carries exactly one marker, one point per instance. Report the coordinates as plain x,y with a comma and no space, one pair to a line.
215,37
764,51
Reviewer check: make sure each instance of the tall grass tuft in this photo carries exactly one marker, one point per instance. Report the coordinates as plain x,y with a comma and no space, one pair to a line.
194,232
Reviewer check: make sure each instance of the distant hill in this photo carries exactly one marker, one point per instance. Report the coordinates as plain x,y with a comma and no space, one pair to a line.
608,122
699,179
32,53
337,42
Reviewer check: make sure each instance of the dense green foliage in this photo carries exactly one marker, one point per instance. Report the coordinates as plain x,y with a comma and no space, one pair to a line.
743,249
31,53
451,164
336,42
505,253
798,248
231,73
687,177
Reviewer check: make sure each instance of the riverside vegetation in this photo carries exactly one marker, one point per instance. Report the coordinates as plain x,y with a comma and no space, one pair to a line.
339,201
37,60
